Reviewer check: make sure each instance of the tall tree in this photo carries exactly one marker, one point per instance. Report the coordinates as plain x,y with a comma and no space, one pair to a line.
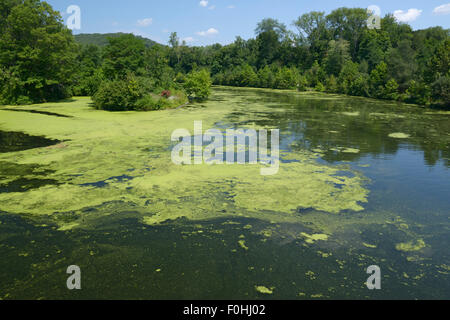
37,52
122,55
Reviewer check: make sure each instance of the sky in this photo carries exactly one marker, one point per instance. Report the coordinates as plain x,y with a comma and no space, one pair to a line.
204,22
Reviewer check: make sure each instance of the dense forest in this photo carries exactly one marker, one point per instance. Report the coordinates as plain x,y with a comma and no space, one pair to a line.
40,60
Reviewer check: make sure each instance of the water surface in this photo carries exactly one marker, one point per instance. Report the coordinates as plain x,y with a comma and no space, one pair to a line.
110,201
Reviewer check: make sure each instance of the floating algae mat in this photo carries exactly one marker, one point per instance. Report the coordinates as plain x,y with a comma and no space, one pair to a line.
105,195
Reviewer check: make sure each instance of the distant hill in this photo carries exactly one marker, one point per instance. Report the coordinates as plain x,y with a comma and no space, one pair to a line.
101,39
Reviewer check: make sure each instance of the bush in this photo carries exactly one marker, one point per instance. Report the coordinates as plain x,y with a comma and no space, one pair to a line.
148,103
198,84
319,87
441,90
419,93
117,95
151,102
302,83
392,90
331,85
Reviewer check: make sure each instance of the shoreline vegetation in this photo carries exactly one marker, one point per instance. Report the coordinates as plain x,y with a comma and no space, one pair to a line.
335,53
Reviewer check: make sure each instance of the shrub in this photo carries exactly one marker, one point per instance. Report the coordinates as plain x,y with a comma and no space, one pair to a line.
441,90
331,84
302,83
392,90
419,93
117,95
198,84
319,87
147,103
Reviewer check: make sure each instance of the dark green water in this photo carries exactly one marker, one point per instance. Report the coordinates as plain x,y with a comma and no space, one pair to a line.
125,259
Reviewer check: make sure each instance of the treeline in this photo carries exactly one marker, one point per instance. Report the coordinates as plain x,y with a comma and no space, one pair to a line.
334,53
41,61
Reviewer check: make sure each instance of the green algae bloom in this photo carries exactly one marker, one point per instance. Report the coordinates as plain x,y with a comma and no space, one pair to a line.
264,290
314,237
242,244
411,246
119,162
399,135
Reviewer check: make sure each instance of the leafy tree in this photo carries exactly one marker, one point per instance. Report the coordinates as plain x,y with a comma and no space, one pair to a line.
331,85
337,56
348,24
271,25
118,94
347,76
122,55
198,84
378,81
37,53
401,63
441,90
88,76
419,93
373,47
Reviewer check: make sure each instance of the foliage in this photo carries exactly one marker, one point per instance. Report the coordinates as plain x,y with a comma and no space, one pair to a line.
37,53
198,84
118,95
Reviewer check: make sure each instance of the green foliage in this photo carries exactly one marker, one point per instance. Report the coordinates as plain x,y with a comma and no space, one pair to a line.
336,53
198,84
337,56
391,90
331,85
319,87
419,93
302,83
102,39
118,95
378,81
37,53
122,55
441,90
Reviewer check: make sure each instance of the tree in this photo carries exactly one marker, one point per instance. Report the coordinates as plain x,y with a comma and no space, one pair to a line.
268,47
378,81
313,33
402,64
124,54
37,53
174,41
348,24
88,76
198,84
441,90
271,25
337,56
373,47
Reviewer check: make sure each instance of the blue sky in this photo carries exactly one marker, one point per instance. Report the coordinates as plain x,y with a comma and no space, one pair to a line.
202,22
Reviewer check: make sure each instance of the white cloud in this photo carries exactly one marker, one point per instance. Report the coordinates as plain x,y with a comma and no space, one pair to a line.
444,9
407,16
209,32
189,39
145,22
203,3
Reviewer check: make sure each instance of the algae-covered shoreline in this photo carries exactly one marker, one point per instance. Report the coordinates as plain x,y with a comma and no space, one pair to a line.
329,198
